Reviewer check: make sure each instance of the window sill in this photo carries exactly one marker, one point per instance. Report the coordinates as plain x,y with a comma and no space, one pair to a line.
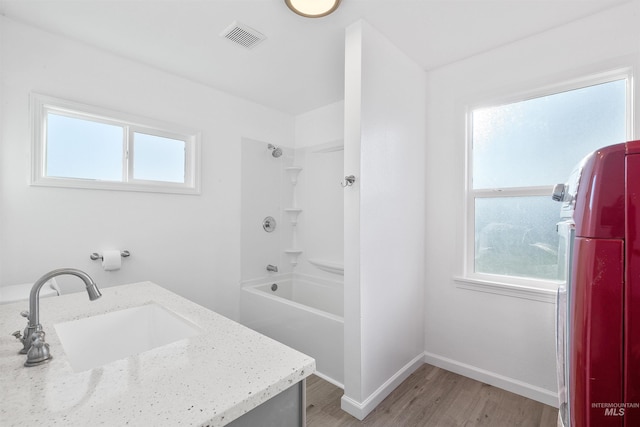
155,187
507,289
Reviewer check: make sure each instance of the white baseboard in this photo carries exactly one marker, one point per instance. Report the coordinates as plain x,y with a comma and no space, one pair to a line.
329,379
530,391
361,409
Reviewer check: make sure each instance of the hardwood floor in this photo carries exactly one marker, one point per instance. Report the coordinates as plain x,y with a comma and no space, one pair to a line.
431,397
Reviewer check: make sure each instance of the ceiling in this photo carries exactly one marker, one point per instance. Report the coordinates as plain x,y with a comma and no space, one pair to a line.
300,66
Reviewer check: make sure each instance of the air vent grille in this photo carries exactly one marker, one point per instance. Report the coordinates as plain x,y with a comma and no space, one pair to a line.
243,35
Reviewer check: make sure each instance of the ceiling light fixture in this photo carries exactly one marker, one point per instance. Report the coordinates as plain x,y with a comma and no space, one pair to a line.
313,8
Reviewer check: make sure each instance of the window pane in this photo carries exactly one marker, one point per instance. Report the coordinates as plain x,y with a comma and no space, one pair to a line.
158,159
78,148
538,141
516,236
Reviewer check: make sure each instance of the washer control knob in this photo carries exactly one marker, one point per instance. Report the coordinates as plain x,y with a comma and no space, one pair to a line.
559,192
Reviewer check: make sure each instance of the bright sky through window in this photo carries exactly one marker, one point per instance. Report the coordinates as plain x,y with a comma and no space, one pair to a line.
538,141
83,149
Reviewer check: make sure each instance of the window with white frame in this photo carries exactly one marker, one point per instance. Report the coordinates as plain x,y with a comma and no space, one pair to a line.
517,152
81,146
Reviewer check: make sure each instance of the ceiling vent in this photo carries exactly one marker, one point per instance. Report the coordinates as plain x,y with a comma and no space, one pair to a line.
242,35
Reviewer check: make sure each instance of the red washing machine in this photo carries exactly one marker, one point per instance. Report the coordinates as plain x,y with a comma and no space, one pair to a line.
598,311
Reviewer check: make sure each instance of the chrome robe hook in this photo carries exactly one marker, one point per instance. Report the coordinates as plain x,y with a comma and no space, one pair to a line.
348,181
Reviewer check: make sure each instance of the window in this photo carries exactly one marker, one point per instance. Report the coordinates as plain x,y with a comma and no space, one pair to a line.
80,146
517,152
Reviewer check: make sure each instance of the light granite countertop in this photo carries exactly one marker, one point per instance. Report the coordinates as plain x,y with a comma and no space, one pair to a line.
209,380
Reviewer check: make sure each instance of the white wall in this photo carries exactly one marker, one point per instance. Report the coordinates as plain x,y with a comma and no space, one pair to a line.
319,126
188,244
501,340
384,217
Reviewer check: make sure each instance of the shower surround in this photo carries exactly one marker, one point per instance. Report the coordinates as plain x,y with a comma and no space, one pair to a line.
300,188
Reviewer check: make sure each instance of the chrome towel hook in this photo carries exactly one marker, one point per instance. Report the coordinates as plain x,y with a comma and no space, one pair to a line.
348,181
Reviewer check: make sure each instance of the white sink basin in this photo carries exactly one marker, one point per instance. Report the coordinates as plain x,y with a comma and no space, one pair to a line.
98,340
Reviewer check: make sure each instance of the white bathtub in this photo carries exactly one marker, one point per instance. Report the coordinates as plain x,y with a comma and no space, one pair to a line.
303,312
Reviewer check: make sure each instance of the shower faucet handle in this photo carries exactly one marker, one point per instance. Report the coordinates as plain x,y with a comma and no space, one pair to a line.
269,224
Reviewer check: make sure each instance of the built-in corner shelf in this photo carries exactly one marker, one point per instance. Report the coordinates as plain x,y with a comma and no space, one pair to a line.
328,266
293,172
293,214
293,255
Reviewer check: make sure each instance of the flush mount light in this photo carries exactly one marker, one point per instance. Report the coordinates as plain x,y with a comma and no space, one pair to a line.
313,8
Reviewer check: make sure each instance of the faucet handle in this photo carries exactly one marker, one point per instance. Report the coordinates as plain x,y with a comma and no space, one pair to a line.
24,313
17,334
39,351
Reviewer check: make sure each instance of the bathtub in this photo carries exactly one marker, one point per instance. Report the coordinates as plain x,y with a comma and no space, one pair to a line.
303,312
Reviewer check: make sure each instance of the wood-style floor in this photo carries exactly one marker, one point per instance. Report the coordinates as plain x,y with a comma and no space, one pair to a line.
431,397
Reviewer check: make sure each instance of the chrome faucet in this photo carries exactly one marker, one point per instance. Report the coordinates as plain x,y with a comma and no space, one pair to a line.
34,346
272,268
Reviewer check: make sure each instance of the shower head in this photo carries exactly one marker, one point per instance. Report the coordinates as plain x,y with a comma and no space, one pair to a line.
276,151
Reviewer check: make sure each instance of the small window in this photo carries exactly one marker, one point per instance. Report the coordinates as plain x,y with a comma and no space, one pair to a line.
518,151
80,146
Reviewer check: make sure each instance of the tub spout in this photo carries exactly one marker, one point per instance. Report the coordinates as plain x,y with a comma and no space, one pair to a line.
272,268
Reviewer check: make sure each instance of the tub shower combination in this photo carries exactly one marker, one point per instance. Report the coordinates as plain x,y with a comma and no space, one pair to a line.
303,312
288,294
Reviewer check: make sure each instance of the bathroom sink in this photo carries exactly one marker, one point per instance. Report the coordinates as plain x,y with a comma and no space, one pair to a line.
98,340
